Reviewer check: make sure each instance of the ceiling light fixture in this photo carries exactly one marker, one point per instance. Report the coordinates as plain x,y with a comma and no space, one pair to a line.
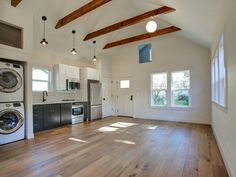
94,51
44,41
151,26
73,51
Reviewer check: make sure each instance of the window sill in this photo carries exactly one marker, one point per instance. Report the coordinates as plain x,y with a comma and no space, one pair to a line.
189,108
220,106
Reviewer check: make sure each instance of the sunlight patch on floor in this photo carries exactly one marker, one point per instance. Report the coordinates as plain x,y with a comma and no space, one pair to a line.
125,142
107,129
77,140
150,127
123,124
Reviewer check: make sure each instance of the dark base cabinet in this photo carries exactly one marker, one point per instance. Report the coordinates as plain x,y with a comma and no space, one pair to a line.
51,116
54,115
66,114
38,118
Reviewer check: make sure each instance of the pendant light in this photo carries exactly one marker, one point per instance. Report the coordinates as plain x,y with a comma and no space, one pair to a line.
151,26
73,51
44,41
94,51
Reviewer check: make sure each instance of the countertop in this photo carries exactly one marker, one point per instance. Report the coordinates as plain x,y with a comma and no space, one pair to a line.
59,102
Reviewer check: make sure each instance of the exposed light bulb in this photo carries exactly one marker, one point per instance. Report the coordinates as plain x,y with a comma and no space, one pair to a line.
94,58
73,51
151,26
44,42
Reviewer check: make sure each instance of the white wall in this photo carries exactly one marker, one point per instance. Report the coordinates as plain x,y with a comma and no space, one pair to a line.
170,53
224,121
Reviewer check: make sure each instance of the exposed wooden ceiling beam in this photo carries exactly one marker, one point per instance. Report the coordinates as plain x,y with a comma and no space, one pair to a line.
15,2
80,12
142,37
129,22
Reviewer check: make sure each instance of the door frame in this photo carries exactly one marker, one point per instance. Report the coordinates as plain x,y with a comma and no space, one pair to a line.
117,94
111,96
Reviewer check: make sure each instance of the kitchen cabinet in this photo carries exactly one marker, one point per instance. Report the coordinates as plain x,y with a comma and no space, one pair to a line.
51,116
38,118
72,73
48,116
64,73
60,77
91,74
66,114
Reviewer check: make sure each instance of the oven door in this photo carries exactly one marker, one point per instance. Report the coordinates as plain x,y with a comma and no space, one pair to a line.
10,80
10,121
77,111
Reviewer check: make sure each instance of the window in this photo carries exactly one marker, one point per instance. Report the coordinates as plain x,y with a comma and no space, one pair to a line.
40,79
145,53
218,75
159,89
173,91
124,84
180,86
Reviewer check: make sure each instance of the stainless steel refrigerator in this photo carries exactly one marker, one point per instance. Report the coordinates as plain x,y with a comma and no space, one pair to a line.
95,100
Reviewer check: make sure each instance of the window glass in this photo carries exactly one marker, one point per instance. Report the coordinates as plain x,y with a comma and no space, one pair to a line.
159,89
124,84
40,74
145,53
41,78
221,73
180,85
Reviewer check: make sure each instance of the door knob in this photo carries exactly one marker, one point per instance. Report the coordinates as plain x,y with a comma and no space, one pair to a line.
104,99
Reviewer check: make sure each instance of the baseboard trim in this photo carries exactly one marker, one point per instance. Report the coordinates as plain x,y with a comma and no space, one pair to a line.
179,121
227,164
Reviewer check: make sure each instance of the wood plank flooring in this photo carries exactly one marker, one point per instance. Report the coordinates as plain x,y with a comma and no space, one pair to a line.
116,147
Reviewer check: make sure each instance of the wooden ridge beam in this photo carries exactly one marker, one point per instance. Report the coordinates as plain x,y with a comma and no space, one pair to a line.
160,32
129,22
80,12
15,2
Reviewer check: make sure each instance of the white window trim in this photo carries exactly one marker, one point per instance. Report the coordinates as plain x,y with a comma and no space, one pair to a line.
214,101
49,79
169,105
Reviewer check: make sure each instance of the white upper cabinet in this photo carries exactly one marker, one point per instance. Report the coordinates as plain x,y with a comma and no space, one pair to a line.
91,74
72,73
64,73
60,77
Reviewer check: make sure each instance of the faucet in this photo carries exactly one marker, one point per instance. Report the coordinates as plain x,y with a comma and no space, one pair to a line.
45,93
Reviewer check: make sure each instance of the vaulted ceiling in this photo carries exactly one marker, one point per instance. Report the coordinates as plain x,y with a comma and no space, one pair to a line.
196,19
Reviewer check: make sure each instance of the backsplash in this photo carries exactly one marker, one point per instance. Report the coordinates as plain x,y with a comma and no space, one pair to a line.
59,96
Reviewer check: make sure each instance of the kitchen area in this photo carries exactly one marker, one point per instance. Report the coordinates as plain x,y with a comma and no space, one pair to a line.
65,95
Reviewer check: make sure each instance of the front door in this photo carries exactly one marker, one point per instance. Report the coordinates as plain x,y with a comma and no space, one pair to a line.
125,97
107,97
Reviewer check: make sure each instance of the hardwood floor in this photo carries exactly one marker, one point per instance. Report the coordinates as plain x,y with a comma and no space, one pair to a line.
116,147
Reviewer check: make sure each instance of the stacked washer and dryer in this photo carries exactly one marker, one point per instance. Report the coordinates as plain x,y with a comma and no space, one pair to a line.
12,122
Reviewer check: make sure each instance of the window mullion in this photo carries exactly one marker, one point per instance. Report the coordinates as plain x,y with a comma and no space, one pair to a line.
169,90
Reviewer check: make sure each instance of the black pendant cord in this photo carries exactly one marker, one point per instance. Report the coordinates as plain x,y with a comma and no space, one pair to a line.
74,40
44,35
94,49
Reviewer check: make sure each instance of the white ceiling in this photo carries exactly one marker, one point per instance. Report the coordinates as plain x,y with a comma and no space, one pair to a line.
197,18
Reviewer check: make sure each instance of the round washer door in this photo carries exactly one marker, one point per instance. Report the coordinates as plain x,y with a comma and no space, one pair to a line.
10,80
10,121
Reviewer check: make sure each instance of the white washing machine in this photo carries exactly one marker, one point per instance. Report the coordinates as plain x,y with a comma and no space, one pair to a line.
11,82
12,122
